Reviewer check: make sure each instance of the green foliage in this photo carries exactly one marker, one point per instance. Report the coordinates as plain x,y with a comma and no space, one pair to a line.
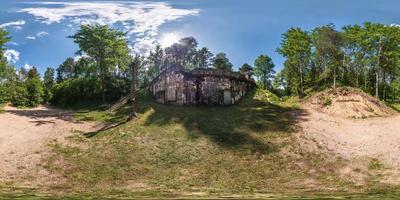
35,92
375,164
363,56
20,96
4,38
246,70
107,46
71,91
296,48
326,101
48,82
264,70
220,61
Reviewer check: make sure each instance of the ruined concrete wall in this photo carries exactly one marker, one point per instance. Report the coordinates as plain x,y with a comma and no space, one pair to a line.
201,86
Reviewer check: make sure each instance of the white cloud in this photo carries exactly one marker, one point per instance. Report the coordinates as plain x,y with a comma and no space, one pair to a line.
27,66
12,56
13,43
38,35
141,19
41,34
30,37
16,24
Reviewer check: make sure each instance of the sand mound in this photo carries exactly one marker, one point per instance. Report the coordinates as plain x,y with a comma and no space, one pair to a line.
348,103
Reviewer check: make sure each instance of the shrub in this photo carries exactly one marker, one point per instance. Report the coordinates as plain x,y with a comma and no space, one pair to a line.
72,91
20,96
35,92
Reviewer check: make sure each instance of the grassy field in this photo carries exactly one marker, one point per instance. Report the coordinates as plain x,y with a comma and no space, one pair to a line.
171,151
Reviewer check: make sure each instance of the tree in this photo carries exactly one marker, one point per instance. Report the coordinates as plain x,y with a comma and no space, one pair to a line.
107,46
48,82
34,88
66,70
296,47
328,43
3,40
182,54
246,70
203,57
220,61
134,66
155,62
279,84
264,70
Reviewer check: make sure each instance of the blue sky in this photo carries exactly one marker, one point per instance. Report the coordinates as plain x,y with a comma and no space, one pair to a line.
243,29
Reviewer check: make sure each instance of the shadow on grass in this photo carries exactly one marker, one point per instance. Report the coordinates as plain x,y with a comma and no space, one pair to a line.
44,116
250,123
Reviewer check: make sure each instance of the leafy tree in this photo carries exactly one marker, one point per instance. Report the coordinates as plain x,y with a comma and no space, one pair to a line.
279,84
48,82
155,62
220,61
182,54
296,47
107,46
264,70
66,70
328,43
203,57
3,40
247,70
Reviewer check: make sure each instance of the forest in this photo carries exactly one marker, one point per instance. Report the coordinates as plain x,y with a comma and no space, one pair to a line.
364,56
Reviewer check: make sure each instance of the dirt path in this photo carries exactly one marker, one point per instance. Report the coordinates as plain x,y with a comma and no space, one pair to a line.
24,135
355,138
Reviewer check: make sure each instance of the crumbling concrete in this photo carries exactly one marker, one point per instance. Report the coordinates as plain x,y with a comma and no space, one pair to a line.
199,86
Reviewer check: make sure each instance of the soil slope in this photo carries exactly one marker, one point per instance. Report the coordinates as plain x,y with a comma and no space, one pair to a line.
348,103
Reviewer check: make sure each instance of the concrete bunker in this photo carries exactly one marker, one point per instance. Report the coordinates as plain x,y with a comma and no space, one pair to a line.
199,87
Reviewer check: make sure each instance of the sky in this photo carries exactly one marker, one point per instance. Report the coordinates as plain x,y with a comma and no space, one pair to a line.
243,29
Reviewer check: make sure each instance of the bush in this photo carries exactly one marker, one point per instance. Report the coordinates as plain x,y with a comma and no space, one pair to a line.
71,91
5,93
20,96
35,92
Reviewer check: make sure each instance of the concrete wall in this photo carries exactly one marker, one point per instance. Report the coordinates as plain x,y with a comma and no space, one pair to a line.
210,87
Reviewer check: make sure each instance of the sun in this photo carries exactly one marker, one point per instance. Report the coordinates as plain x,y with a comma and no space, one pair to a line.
169,39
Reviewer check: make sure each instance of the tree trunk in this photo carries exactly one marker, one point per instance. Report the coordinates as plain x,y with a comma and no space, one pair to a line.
133,90
103,90
384,86
377,73
301,80
334,78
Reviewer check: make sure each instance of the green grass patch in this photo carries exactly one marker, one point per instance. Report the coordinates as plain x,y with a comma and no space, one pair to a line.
396,107
2,107
213,150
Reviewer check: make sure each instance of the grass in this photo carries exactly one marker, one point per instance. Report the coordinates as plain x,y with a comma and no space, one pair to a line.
176,151
396,106
2,108
246,149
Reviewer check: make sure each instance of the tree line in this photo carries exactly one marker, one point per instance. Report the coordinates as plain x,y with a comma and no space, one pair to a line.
102,69
363,56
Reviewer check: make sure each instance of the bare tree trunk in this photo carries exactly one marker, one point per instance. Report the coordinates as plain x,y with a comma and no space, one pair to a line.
334,78
133,89
103,90
384,86
377,73
301,80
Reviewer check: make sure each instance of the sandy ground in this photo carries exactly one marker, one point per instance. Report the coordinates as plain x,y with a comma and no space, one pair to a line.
24,138
377,137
